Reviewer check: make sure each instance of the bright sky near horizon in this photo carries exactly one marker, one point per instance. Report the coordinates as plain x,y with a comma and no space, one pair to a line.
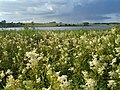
71,11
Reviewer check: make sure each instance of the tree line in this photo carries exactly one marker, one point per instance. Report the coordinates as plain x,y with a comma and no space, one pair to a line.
4,24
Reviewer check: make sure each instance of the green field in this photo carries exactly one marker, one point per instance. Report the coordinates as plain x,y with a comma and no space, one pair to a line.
60,60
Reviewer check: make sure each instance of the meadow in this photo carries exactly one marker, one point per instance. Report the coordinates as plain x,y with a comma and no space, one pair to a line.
60,60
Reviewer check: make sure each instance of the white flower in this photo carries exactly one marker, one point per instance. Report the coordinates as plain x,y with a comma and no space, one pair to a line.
112,74
49,72
48,66
90,84
8,71
100,70
83,37
111,83
113,30
118,70
85,73
71,69
5,53
91,63
63,82
57,73
113,61
95,62
32,54
39,58
10,81
24,70
38,80
117,49
95,56
117,41
28,65
63,78
47,88
64,85
2,74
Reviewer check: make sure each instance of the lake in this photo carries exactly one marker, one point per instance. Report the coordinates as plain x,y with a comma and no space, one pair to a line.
61,28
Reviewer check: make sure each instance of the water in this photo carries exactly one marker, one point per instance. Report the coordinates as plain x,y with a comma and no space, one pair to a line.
61,28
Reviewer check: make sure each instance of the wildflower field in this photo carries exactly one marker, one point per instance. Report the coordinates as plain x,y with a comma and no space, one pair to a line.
60,60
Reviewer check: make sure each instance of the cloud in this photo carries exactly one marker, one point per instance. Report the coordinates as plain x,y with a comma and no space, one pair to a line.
59,10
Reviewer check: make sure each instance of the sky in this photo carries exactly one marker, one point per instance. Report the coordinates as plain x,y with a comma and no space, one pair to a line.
70,11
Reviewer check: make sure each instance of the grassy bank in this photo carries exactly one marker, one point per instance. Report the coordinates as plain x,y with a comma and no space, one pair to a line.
60,60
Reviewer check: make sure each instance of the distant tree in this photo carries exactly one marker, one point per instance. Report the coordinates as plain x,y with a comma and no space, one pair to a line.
86,23
57,25
52,22
0,24
33,25
19,24
73,24
66,24
3,23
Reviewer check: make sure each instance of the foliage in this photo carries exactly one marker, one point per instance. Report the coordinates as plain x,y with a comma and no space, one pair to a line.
60,60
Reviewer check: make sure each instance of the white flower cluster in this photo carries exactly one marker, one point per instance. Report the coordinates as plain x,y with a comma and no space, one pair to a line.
90,84
97,66
33,60
2,75
61,81
111,84
12,84
64,84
